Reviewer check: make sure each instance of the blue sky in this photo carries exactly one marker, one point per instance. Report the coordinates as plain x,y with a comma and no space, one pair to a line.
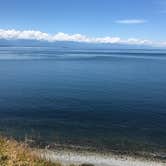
143,19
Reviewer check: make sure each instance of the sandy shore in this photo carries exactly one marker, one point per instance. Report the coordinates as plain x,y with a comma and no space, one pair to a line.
70,157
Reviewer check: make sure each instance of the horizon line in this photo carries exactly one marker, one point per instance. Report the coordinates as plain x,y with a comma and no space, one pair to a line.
60,36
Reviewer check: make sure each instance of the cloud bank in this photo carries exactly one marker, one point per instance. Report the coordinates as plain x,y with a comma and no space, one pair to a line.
131,21
41,36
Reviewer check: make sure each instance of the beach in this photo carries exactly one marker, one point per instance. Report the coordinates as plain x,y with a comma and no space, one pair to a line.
69,157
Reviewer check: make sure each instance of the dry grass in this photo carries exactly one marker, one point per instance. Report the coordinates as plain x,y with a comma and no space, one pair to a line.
13,153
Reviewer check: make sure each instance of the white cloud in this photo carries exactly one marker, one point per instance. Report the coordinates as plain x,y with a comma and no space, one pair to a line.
131,21
38,35
14,34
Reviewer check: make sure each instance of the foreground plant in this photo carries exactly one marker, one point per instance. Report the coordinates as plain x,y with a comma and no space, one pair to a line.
13,153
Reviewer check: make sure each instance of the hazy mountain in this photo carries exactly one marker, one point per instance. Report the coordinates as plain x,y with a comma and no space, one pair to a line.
67,45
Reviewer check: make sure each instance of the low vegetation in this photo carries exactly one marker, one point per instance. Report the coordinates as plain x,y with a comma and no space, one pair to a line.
13,153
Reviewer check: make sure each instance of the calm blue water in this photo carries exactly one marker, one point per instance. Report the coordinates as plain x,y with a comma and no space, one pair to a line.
110,99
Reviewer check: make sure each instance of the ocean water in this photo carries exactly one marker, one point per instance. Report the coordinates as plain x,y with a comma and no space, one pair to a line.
102,99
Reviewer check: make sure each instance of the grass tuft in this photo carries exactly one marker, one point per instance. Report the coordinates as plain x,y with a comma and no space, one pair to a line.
13,153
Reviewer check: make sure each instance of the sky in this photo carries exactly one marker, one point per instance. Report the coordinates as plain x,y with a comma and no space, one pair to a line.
114,19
